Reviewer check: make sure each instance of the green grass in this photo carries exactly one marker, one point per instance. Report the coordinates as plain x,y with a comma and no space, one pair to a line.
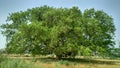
65,62
16,63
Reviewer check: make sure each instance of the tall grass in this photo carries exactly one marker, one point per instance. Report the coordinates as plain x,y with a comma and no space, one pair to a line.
15,63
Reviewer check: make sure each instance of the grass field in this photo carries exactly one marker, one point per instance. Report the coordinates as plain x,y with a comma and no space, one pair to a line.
44,62
79,63
49,62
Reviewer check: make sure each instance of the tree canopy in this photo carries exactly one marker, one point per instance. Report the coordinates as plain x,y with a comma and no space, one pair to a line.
60,31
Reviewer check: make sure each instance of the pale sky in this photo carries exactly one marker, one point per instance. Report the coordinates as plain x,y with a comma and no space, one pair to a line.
112,7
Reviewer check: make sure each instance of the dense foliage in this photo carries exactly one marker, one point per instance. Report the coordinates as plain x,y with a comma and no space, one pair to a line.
60,31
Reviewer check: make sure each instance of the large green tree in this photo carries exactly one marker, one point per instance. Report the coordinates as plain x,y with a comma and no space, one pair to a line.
62,31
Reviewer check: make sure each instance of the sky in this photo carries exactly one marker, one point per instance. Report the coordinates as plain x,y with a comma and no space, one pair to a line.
111,7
